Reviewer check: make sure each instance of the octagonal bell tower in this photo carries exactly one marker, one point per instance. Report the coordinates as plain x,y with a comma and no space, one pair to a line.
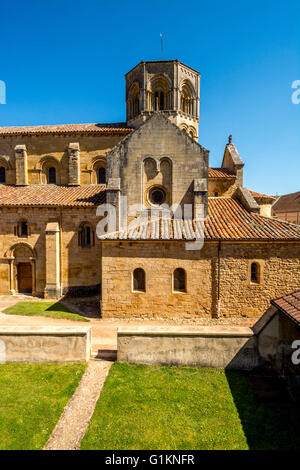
167,86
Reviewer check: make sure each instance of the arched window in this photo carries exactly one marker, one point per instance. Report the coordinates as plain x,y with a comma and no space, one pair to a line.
51,175
179,280
187,98
21,230
139,280
133,101
86,236
101,175
255,273
159,93
2,174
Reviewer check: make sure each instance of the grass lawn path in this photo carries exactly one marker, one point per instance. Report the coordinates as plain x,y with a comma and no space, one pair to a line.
75,419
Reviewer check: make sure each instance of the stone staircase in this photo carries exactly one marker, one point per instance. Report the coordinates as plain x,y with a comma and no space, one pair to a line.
104,354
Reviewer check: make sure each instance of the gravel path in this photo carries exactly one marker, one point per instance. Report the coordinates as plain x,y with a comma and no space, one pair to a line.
72,425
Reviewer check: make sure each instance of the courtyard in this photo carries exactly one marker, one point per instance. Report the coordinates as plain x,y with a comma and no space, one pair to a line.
147,407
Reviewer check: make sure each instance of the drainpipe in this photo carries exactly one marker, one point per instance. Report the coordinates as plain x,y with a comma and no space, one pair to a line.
61,255
219,274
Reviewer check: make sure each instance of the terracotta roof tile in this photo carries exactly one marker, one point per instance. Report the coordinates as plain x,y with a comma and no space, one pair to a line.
288,203
52,195
220,173
68,128
261,195
290,305
227,220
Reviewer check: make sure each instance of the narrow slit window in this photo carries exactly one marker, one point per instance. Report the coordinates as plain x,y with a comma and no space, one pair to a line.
179,280
101,175
255,273
22,230
52,175
2,174
139,280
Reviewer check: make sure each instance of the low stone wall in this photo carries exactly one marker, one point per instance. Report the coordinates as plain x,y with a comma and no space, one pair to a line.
217,347
28,344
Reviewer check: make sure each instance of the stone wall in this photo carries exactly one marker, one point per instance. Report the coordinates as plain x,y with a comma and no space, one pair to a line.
158,139
217,347
279,273
55,148
78,266
25,344
225,187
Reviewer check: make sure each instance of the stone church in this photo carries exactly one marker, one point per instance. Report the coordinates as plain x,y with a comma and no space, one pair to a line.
54,177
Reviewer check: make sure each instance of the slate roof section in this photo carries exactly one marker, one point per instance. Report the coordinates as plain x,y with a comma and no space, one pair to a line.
94,128
220,173
227,220
289,305
44,195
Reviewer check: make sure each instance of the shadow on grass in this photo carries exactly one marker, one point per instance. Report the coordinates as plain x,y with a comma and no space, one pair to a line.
269,419
57,307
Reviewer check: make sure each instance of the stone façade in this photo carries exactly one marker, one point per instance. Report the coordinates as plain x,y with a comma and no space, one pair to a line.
160,152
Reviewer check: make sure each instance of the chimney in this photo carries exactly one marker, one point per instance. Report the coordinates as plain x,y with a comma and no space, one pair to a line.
74,164
21,165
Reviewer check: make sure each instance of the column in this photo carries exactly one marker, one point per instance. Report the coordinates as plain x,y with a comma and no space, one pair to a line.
52,289
74,164
21,165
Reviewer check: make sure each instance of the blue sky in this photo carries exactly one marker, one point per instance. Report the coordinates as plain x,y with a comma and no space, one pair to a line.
63,61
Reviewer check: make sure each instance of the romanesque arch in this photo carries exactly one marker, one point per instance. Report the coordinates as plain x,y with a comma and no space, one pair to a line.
159,94
188,103
50,170
22,268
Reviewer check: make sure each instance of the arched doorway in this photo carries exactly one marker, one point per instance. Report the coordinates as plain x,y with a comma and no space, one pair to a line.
22,270
24,278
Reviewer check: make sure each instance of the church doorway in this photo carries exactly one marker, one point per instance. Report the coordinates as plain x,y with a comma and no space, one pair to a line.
24,277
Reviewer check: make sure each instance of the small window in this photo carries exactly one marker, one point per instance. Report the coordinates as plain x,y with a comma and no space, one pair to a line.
101,175
216,194
86,236
51,175
21,230
2,174
255,274
139,280
179,280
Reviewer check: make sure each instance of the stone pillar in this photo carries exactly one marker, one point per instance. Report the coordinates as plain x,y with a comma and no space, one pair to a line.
12,289
21,165
52,289
200,198
113,193
74,164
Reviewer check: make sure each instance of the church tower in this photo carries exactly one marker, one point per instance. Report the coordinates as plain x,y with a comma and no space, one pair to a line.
168,86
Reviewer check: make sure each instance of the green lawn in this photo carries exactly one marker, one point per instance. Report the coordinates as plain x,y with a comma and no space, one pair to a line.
143,407
32,398
43,309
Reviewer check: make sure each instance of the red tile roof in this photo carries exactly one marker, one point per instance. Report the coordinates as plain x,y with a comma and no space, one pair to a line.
52,195
68,128
289,304
288,203
260,195
227,220
220,173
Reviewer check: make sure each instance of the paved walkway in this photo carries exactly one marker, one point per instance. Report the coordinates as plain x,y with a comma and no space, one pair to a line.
104,332
73,423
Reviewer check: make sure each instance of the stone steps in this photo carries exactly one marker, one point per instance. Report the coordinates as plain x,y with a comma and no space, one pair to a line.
106,354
